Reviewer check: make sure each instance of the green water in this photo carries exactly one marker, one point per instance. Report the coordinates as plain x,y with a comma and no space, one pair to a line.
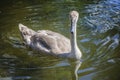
18,62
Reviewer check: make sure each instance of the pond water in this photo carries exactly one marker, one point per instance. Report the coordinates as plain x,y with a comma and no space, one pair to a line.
98,38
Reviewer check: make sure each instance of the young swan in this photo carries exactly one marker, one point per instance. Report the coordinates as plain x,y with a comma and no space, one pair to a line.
53,43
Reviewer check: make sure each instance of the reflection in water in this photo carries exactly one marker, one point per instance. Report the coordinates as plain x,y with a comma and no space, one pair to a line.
6,78
78,64
103,16
103,19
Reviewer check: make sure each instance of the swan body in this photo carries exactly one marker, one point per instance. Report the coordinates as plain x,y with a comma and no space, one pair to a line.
53,43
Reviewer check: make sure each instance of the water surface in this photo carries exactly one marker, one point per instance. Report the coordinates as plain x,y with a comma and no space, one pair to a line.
98,38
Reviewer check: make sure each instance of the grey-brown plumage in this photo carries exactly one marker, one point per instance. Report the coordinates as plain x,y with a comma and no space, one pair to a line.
45,40
51,42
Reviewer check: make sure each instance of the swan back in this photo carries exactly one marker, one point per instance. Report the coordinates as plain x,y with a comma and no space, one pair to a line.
50,42
45,41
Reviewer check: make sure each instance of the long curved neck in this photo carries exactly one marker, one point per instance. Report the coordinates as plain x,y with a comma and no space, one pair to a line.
75,51
73,38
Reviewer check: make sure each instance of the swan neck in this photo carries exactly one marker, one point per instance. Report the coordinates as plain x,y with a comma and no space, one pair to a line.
73,38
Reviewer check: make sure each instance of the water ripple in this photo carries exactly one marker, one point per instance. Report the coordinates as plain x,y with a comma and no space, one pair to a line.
103,16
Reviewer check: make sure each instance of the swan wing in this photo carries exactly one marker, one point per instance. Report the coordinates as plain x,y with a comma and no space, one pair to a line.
50,42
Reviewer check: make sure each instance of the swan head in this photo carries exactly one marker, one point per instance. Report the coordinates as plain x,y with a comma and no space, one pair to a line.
73,18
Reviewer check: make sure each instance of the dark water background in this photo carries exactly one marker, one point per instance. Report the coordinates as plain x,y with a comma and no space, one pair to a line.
98,38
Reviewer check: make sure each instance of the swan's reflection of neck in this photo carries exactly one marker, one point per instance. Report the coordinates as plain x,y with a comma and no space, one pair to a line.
77,66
